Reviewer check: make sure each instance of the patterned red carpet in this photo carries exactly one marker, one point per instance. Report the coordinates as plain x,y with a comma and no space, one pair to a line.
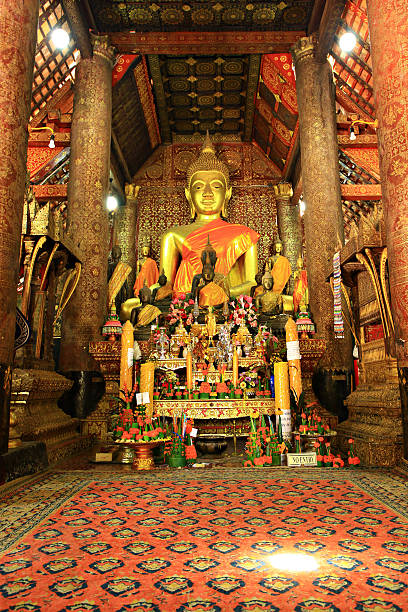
205,543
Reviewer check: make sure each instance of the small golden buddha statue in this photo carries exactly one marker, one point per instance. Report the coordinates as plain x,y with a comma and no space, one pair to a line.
211,325
146,313
300,290
280,267
208,192
270,302
162,295
146,267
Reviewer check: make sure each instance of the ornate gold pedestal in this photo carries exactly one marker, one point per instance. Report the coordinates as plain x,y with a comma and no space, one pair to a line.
375,412
35,414
143,455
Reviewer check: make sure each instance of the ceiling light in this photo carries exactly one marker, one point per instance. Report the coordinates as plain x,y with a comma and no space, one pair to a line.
347,42
112,203
60,38
51,144
293,562
352,134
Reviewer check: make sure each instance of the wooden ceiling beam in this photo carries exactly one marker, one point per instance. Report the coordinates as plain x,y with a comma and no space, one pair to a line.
59,97
161,103
361,192
78,27
353,92
348,69
204,43
41,139
329,22
252,87
362,141
120,157
50,192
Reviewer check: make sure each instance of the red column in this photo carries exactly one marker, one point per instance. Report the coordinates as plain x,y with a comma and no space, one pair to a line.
18,30
388,23
87,215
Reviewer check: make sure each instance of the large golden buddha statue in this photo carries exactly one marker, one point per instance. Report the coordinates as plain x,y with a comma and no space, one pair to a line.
208,192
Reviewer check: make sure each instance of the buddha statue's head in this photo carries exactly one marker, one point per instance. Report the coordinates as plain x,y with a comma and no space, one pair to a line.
267,280
162,279
145,246
208,272
299,263
208,187
116,253
258,278
145,295
278,246
209,254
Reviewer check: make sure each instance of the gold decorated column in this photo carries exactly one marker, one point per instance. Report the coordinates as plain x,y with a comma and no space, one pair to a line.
388,23
88,220
126,220
18,32
323,217
290,230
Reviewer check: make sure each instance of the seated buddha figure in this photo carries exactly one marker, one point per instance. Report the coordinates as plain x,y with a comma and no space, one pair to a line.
210,288
280,267
145,314
208,192
162,295
269,301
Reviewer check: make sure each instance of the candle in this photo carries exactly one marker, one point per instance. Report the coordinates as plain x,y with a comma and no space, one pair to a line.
126,360
293,356
189,367
235,368
282,398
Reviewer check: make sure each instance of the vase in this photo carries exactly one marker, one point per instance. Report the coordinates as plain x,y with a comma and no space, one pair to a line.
176,461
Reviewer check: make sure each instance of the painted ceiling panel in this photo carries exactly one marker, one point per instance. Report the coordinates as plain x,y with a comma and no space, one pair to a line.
167,15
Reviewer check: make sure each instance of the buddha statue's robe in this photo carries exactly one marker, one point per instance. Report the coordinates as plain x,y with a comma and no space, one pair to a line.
212,295
149,273
147,314
281,272
257,291
229,240
163,292
270,302
300,290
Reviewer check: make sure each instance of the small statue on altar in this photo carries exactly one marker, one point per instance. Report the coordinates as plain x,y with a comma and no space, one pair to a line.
210,287
118,286
146,313
269,302
146,267
280,267
300,291
162,295
258,288
211,325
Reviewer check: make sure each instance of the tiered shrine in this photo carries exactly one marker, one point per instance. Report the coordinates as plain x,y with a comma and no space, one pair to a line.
212,329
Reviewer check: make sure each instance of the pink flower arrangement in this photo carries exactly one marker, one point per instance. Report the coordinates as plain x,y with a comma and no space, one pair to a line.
180,309
243,312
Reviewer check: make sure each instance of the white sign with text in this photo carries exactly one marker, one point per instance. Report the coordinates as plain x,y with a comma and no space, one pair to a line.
297,459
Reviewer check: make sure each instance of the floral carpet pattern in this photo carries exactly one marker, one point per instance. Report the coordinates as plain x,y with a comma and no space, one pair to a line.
187,542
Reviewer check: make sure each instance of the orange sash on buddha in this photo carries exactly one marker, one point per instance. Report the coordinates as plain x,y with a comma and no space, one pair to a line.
149,273
281,272
212,295
299,290
229,240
